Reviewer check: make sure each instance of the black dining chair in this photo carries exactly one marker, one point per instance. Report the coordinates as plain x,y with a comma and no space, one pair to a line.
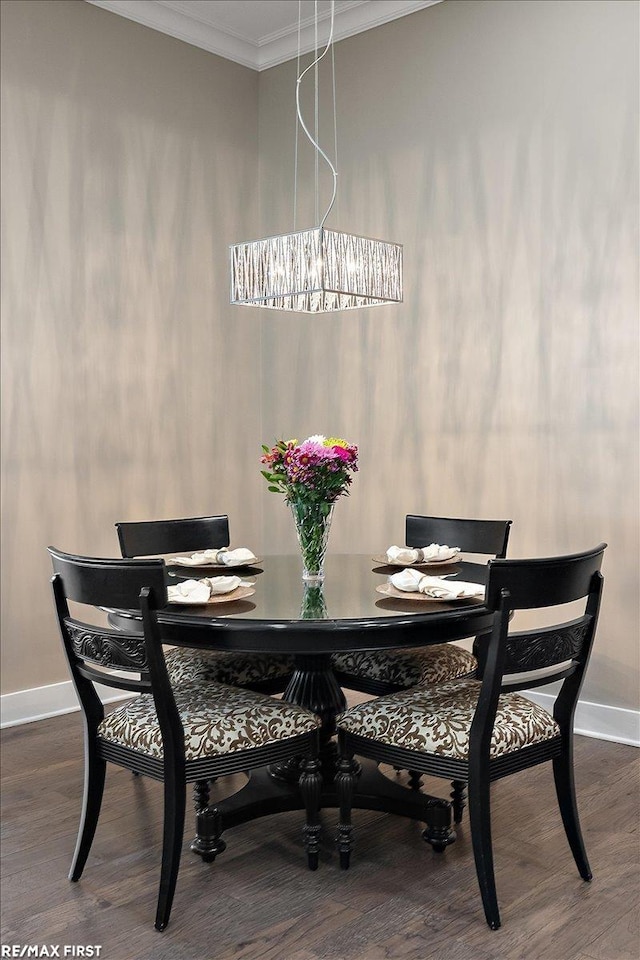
172,734
380,672
266,673
481,730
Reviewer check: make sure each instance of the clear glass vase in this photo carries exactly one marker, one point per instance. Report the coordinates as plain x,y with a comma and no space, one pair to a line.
314,606
313,523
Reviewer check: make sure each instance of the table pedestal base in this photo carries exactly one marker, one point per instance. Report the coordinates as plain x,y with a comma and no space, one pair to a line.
264,795
313,685
275,789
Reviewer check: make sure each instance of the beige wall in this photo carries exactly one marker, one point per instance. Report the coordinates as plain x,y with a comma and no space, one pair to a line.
129,162
496,140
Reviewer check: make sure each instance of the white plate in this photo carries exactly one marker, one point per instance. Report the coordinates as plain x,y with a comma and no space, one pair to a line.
417,564
388,590
208,565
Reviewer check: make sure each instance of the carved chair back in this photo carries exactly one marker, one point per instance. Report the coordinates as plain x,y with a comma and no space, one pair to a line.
534,657
152,537
472,536
93,651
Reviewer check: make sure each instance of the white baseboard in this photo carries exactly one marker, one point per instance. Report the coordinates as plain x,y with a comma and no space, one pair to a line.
598,720
592,719
25,706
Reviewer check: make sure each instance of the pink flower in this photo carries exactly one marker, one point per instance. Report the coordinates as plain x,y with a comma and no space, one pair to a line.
342,453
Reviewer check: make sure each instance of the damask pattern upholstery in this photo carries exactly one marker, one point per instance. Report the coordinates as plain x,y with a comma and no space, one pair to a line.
438,719
186,665
408,668
217,719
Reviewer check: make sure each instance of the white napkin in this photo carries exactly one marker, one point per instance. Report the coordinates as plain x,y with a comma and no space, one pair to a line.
199,591
240,554
223,556
223,584
432,553
402,555
412,581
189,591
437,551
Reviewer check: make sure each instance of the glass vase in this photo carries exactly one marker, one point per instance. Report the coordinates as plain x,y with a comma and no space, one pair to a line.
314,606
313,523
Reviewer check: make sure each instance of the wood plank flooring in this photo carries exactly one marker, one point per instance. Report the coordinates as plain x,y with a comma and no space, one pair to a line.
399,900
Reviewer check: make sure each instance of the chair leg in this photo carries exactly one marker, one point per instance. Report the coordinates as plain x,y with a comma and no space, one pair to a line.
415,779
566,793
174,811
480,820
311,788
94,775
345,781
458,796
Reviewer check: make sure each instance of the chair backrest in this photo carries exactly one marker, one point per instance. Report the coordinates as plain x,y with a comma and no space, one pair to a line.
546,582
472,536
152,537
553,652
94,651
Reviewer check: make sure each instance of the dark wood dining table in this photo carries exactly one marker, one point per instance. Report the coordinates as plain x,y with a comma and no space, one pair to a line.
311,623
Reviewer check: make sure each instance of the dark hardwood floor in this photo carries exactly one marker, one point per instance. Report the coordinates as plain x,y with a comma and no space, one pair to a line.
259,902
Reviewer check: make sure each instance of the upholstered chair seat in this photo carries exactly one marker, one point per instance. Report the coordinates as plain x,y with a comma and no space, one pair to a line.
186,665
437,720
216,719
408,668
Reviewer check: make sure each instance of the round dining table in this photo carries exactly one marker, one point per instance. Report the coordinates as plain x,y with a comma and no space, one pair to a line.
312,622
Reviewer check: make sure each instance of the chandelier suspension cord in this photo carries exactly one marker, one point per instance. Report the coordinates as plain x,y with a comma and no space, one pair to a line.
313,141
316,115
335,119
295,160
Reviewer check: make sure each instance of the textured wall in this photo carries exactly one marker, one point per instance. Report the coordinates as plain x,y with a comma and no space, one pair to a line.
498,142
129,162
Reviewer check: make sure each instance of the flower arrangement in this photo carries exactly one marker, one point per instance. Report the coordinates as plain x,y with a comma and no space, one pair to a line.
317,470
311,475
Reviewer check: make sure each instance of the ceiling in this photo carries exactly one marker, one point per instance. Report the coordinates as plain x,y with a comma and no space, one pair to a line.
258,33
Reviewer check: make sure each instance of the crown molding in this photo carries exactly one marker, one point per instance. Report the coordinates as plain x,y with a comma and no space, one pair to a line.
271,49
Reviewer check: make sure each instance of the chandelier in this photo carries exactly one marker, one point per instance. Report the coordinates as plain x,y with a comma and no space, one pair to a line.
317,270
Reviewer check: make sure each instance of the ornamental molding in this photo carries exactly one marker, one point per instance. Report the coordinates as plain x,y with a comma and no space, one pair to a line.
535,651
184,22
107,649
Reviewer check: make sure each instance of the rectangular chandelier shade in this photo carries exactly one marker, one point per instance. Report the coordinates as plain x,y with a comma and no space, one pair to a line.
316,271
